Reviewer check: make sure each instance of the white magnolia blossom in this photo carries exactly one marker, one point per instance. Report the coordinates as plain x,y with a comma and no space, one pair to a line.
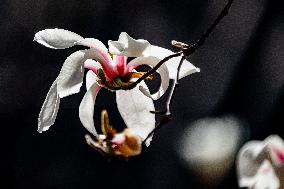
108,68
130,47
260,164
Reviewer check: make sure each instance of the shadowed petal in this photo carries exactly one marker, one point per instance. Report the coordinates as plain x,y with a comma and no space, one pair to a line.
265,178
129,47
163,71
92,65
86,108
186,69
135,108
275,146
91,78
70,78
120,62
49,109
249,160
57,38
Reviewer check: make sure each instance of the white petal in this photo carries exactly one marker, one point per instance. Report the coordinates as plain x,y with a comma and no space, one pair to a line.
93,43
70,78
186,69
91,78
135,108
163,71
275,145
57,38
129,47
49,109
104,59
265,178
249,159
86,108
92,65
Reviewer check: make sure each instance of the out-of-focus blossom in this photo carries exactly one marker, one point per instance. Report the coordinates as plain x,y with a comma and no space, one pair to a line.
208,147
260,164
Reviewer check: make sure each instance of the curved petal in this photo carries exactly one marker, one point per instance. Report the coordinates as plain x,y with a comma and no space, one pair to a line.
91,78
275,145
70,78
249,159
163,71
108,66
186,69
57,38
86,108
92,65
98,45
129,47
49,109
121,66
135,108
265,178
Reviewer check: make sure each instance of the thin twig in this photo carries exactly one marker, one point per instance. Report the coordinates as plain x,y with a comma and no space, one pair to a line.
186,51
201,41
154,69
167,115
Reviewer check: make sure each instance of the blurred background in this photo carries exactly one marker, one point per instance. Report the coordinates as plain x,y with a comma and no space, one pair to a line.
237,96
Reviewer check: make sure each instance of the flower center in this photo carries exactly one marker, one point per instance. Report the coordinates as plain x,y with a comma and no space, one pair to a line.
120,82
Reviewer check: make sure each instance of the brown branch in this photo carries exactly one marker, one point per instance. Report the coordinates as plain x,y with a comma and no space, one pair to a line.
154,69
186,50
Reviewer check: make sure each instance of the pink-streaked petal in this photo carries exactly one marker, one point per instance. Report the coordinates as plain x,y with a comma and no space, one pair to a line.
91,78
275,146
163,71
108,67
49,109
71,76
120,62
186,69
135,108
98,45
57,38
118,139
92,65
86,108
265,178
129,47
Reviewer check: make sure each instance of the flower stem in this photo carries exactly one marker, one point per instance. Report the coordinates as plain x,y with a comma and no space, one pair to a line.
186,50
154,69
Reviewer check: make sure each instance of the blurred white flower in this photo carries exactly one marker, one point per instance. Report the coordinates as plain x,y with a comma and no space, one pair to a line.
208,147
260,164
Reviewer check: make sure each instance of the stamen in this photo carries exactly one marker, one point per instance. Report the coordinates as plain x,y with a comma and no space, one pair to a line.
132,75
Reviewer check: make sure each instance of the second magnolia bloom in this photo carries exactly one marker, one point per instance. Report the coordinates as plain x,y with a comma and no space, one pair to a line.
260,164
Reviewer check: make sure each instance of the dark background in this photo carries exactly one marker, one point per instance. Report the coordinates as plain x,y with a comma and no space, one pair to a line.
242,73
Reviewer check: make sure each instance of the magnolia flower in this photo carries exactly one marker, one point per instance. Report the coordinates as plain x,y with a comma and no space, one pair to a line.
108,69
260,164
